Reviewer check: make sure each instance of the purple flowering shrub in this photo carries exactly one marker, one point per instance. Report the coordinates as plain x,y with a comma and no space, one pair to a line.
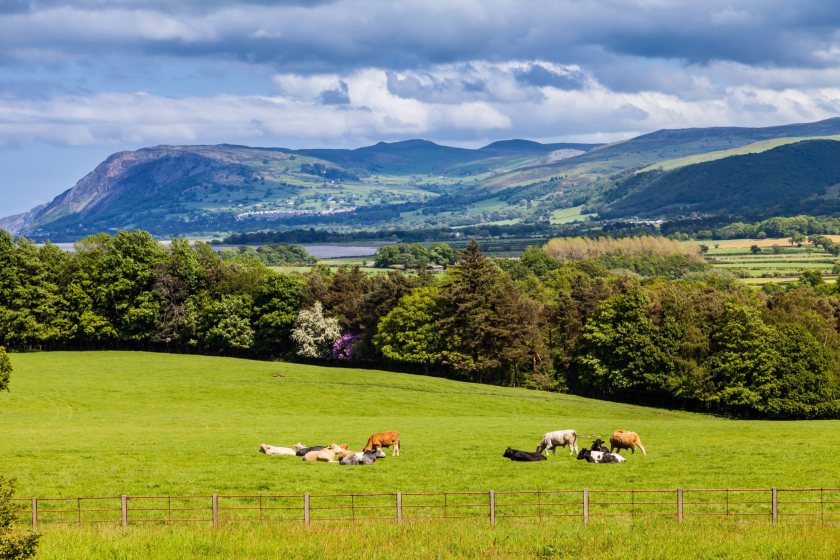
342,348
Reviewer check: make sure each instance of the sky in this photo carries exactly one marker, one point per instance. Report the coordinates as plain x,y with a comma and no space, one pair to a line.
81,79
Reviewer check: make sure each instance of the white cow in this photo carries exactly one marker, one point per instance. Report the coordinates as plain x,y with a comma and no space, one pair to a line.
272,450
559,438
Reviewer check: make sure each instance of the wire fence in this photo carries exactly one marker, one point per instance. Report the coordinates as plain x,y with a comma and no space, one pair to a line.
754,505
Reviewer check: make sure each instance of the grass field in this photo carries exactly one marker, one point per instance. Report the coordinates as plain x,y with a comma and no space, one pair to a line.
111,423
785,264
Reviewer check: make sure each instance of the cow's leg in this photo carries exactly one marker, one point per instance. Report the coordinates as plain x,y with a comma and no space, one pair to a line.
397,448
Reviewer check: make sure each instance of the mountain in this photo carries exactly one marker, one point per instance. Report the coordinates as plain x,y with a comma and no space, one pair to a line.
172,190
414,184
798,178
662,145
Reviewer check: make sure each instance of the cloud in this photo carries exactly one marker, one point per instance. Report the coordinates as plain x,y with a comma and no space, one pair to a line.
305,37
337,96
358,107
541,75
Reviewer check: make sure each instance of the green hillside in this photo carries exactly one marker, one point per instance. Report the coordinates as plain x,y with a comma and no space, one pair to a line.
108,423
788,180
754,148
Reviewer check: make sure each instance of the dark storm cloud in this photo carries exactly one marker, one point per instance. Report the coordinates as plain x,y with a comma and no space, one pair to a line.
320,36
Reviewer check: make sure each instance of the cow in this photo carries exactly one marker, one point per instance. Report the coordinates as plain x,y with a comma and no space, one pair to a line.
379,453
517,455
598,445
622,439
384,439
600,457
304,450
272,450
327,454
362,458
559,438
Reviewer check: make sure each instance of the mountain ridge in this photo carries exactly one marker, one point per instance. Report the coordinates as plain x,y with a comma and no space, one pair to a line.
414,184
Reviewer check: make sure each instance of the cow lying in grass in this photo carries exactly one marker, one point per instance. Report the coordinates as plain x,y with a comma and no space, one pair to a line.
327,454
600,457
559,438
362,457
517,455
304,450
377,451
622,439
273,450
384,439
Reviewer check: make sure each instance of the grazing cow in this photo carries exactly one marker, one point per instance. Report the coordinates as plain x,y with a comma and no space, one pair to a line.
384,439
598,445
272,450
327,454
622,439
362,458
600,456
517,455
560,438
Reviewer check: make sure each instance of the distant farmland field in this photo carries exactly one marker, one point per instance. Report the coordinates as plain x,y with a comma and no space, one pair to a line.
777,261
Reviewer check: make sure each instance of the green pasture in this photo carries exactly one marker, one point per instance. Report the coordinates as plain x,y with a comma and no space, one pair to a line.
112,423
568,215
613,540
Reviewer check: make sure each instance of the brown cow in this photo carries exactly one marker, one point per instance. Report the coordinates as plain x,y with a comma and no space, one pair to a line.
622,439
384,439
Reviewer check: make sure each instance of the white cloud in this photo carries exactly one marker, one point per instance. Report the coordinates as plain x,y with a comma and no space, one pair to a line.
298,116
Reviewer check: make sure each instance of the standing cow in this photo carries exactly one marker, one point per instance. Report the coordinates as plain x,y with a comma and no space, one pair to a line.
384,439
622,439
560,438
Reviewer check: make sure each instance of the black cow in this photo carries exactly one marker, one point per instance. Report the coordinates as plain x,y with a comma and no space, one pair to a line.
598,445
305,450
517,455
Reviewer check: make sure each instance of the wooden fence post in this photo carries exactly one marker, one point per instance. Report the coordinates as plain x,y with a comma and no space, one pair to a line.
34,513
399,507
585,506
680,505
774,496
215,503
124,510
306,509
492,507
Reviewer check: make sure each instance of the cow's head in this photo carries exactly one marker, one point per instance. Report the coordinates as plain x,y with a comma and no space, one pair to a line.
584,454
508,453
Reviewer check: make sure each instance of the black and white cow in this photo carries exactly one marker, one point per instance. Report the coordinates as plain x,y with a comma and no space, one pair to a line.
600,456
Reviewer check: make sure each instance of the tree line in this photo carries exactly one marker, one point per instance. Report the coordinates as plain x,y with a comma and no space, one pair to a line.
652,327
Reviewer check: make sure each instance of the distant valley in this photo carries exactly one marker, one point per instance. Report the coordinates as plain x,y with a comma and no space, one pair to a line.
417,184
